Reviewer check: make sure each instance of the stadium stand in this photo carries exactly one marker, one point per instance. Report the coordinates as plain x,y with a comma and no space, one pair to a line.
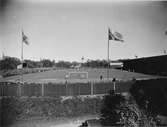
155,65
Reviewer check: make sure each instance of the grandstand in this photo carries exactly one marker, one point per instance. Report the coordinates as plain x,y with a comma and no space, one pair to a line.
155,65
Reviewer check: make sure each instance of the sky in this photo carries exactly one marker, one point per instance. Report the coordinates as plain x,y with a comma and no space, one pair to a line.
70,30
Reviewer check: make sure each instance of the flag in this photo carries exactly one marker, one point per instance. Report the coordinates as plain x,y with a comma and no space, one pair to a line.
116,36
166,32
25,38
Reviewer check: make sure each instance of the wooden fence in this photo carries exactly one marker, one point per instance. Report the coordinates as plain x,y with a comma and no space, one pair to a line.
56,90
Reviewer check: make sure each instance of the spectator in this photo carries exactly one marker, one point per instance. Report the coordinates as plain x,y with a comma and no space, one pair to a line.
101,77
133,79
66,77
114,80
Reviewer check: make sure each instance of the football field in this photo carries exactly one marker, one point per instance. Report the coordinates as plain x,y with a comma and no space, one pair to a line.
61,75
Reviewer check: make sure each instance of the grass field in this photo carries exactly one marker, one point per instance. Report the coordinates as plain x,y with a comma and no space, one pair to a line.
93,75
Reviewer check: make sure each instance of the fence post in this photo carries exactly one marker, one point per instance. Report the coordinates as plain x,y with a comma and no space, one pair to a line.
2,88
92,88
42,89
19,89
79,90
66,89
114,82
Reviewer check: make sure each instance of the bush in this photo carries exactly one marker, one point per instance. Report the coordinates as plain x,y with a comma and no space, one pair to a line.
118,110
110,112
151,96
13,109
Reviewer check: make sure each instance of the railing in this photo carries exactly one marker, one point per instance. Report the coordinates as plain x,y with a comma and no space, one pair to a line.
8,89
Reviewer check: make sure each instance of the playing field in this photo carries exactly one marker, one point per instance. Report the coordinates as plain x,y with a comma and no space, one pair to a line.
92,75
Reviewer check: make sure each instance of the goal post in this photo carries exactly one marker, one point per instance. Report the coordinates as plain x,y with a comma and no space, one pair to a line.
78,75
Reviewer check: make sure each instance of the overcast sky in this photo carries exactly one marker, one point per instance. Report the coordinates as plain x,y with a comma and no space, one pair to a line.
70,30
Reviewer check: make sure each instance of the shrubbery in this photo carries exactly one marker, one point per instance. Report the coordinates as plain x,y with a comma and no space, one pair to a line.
110,112
119,110
47,108
151,96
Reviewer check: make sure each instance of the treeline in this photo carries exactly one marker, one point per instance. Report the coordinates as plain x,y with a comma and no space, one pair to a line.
9,63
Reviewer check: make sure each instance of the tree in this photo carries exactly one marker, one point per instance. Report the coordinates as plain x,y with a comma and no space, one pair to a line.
117,109
65,64
47,63
96,63
9,63
33,64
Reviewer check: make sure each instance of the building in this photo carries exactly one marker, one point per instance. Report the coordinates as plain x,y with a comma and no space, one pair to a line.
116,64
155,65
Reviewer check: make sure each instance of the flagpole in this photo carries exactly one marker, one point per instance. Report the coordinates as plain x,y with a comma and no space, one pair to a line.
19,93
108,58
22,57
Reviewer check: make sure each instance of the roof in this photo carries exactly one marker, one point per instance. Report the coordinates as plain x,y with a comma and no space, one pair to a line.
142,58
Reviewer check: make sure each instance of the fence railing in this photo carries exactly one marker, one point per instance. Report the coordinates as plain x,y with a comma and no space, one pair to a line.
61,89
